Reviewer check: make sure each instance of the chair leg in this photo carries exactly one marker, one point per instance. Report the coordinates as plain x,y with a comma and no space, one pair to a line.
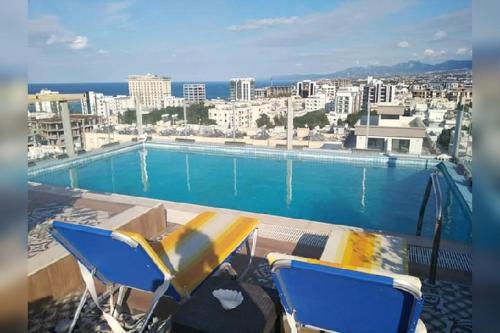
78,310
159,292
294,328
119,301
250,251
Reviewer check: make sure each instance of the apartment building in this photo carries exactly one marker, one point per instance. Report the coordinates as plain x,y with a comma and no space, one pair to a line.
172,101
390,131
149,89
316,102
124,103
341,83
327,89
194,92
278,91
260,93
51,132
242,89
306,88
378,92
347,101
246,114
273,92
51,107
93,103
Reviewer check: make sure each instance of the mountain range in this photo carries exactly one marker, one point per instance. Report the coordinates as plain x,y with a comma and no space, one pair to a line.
405,68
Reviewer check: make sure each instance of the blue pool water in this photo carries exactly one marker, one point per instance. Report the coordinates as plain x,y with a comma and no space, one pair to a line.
380,198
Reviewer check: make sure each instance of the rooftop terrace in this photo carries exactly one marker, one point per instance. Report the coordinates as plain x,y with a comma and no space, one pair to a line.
447,304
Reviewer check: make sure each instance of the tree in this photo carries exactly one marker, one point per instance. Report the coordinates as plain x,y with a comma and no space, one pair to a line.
264,120
127,117
353,118
444,139
311,119
195,114
279,120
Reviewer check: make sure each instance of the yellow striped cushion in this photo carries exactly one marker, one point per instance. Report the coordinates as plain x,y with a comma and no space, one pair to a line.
273,256
348,247
195,250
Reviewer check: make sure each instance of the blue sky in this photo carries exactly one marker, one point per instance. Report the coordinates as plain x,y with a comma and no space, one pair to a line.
104,41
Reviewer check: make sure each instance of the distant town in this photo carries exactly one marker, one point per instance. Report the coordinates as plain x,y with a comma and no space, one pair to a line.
400,114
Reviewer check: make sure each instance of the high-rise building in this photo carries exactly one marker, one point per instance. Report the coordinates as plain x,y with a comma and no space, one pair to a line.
194,92
93,103
242,89
347,101
150,90
378,93
306,88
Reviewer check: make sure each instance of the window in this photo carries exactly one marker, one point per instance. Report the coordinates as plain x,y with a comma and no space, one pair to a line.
389,116
376,143
400,145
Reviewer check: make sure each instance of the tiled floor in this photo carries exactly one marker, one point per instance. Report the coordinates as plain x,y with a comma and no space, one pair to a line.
447,307
42,209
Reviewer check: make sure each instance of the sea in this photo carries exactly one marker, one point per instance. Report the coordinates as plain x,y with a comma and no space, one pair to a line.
214,89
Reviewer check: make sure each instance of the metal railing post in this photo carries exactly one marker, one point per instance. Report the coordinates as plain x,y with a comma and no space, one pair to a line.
423,206
436,190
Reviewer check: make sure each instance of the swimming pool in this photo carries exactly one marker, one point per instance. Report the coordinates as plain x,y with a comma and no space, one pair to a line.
357,194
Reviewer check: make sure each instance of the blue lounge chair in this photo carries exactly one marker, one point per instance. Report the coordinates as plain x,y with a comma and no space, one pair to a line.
319,295
174,267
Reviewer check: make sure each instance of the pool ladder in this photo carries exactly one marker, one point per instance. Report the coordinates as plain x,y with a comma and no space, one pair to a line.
432,185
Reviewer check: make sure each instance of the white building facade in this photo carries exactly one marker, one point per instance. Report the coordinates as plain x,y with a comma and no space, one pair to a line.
93,103
316,102
47,106
149,89
172,101
306,88
346,101
242,89
390,131
194,92
246,114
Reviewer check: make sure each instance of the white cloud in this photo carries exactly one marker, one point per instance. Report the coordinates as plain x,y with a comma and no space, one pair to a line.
46,31
103,52
463,51
79,43
430,53
403,44
263,23
440,35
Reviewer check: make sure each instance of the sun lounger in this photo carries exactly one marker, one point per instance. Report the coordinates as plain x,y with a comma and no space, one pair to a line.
175,266
332,297
355,247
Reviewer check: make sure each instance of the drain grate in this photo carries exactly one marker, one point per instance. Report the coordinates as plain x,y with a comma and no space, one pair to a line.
447,259
293,235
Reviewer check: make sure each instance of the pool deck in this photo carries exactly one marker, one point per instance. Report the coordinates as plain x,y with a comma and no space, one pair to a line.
448,303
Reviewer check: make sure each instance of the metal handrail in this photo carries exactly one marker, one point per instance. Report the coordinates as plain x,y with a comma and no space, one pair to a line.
433,184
